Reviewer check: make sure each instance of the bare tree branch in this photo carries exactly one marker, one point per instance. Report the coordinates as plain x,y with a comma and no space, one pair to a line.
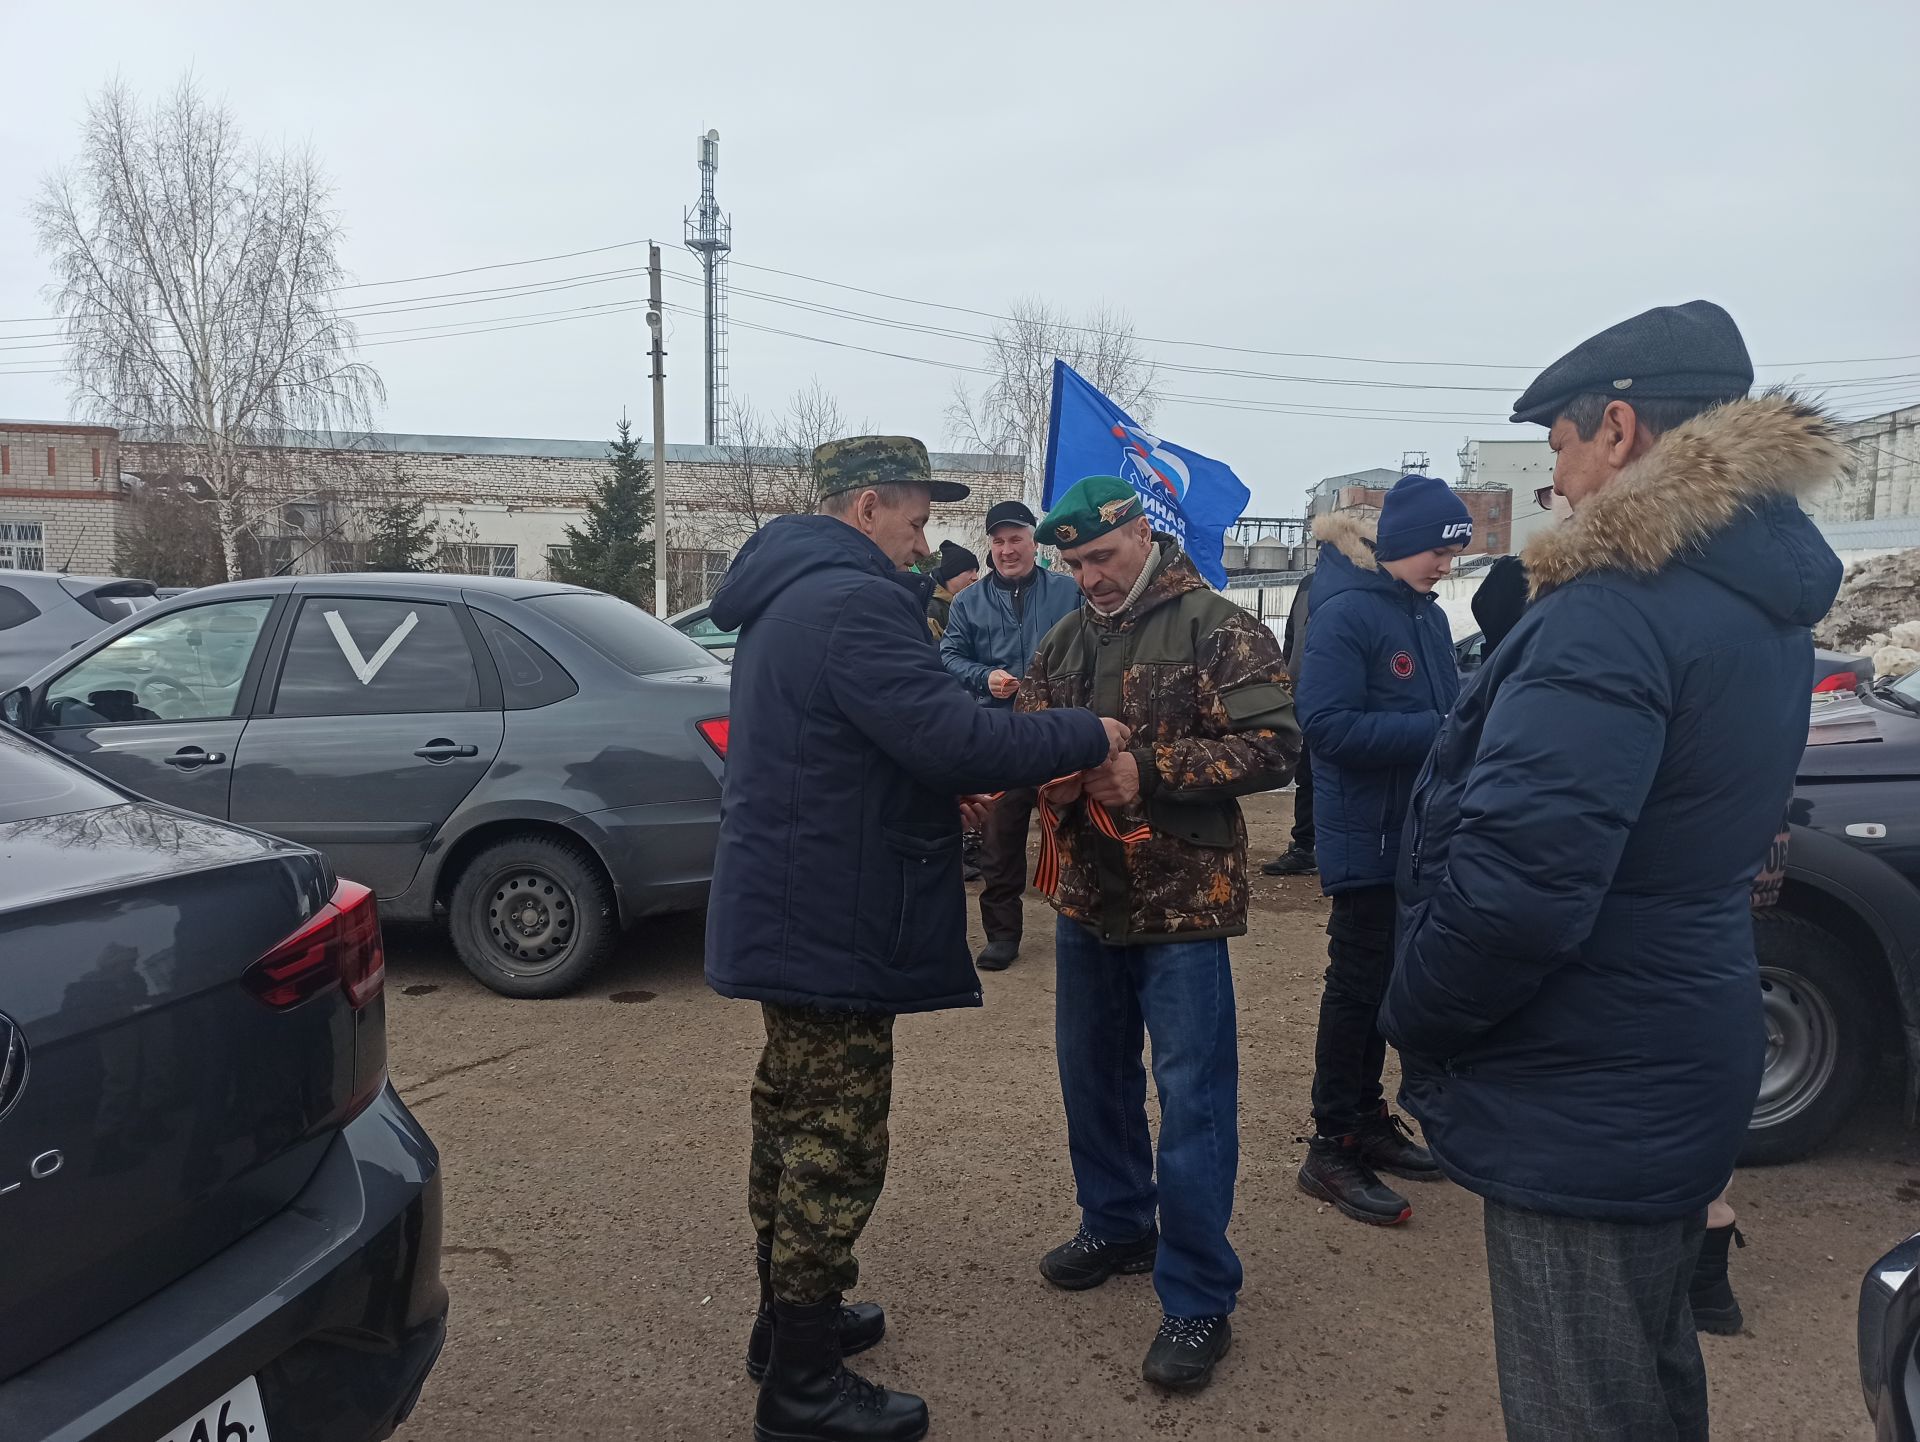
195,277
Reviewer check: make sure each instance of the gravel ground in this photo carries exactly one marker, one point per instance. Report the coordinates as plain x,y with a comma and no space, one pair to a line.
601,1267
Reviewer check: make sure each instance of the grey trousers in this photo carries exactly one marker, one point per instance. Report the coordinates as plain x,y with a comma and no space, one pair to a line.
1592,1328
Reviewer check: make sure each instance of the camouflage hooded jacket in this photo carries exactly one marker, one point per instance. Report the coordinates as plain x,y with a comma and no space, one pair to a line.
1201,684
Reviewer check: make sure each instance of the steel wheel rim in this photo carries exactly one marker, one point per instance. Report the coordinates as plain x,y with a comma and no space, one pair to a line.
1802,1046
531,919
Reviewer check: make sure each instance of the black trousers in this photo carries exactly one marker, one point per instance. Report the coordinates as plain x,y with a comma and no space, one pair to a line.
1592,1329
1348,1051
1003,864
1303,802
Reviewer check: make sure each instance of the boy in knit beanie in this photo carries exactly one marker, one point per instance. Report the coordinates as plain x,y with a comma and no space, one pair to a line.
1377,680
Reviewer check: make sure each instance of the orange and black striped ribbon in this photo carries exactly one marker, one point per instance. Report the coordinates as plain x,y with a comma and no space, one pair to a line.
1046,876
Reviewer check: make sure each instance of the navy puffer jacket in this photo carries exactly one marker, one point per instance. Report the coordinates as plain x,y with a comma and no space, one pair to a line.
1375,679
1575,996
837,879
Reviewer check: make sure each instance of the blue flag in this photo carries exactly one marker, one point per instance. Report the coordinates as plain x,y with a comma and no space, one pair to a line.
1193,498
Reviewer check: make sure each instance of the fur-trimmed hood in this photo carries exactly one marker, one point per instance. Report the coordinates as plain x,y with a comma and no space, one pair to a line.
1717,493
1348,532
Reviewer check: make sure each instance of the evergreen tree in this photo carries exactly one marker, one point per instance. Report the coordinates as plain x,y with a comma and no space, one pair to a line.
400,538
609,551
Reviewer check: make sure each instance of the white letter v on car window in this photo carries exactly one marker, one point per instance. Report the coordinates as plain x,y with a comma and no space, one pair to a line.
367,667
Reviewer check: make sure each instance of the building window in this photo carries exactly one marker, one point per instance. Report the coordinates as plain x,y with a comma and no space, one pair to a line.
22,546
692,576
96,463
6,460
462,560
558,559
50,460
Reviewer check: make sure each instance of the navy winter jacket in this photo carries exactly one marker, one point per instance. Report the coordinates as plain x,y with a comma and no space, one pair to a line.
1574,995
837,879
1375,679
984,635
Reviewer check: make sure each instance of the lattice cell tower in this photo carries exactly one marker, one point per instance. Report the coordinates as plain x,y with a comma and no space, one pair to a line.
710,236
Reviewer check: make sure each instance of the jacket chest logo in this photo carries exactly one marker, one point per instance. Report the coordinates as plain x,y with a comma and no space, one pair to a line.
1402,664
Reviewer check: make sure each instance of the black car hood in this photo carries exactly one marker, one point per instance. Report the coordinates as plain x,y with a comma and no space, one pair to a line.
1896,753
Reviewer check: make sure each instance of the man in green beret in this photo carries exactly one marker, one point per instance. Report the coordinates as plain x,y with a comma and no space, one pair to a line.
1152,880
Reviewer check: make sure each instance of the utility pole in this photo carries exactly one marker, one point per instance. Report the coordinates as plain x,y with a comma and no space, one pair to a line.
659,435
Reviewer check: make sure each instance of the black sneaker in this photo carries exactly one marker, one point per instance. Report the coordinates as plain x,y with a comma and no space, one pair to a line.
1335,1172
998,955
1387,1145
1715,1308
1087,1261
1181,1358
1294,861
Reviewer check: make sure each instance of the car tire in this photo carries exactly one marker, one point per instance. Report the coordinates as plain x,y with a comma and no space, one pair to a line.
1821,1037
532,916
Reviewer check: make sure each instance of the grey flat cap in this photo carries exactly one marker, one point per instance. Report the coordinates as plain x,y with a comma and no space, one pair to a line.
1692,352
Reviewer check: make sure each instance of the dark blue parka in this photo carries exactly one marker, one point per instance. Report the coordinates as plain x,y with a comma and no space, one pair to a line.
1376,678
1575,997
837,880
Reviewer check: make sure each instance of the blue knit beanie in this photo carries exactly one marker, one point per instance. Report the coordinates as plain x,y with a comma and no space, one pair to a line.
1421,513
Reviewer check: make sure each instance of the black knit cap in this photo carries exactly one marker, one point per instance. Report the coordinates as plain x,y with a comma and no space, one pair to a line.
955,560
1672,352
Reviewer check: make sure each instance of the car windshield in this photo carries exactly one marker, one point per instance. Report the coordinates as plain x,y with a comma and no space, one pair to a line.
34,784
1907,688
622,632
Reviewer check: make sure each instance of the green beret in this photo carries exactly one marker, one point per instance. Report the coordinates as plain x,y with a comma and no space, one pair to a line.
1093,507
860,462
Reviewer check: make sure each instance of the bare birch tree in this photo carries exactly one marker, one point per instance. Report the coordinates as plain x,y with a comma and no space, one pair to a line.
1009,414
196,273
766,466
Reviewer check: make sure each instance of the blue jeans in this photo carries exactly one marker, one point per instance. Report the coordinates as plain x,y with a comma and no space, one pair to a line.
1107,1000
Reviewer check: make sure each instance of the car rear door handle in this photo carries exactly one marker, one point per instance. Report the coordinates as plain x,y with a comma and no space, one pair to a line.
445,751
192,758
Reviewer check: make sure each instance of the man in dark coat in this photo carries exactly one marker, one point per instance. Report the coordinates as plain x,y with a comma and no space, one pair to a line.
1378,679
1298,859
991,634
837,900
1575,995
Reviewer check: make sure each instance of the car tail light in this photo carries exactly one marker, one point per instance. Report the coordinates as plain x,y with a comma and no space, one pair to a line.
339,947
1839,681
716,733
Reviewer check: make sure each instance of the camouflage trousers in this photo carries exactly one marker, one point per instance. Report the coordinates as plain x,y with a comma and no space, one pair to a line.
820,1102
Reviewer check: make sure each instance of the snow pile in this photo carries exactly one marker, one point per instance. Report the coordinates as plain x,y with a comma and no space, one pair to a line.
1878,612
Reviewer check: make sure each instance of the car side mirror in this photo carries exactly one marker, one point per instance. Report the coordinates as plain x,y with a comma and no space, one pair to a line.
16,708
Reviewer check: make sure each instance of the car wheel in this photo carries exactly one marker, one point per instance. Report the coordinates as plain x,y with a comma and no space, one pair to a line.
533,916
1820,1037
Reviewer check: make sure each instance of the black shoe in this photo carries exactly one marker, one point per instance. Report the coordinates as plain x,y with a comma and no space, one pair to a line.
969,873
1182,1356
1294,861
1715,1308
861,1325
998,955
1387,1145
1334,1172
810,1397
1087,1261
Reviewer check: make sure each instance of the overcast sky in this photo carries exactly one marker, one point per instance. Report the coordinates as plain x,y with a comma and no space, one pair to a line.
1446,183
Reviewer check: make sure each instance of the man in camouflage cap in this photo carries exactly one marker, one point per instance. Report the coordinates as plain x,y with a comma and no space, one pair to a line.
1141,939
849,746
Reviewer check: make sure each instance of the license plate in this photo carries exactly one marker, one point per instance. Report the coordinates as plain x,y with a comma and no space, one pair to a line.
236,1417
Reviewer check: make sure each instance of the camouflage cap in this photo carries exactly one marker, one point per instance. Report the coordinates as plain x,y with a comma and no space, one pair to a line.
859,462
1093,507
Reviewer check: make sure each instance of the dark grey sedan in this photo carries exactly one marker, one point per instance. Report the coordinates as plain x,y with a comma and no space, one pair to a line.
220,1223
539,763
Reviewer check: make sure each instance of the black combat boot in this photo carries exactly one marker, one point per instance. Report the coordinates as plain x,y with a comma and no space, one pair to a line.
861,1325
1715,1308
1087,1261
809,1396
998,954
1335,1171
1387,1145
1181,1358
1296,860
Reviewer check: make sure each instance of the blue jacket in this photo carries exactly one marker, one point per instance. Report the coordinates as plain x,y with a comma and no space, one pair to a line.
1375,679
837,879
1574,995
984,635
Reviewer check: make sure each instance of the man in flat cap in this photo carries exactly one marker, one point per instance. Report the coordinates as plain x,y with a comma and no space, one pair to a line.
1146,903
991,634
1575,996
837,900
